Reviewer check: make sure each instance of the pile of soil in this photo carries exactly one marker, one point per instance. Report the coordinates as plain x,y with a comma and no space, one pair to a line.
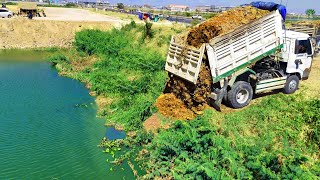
184,100
170,106
196,97
220,24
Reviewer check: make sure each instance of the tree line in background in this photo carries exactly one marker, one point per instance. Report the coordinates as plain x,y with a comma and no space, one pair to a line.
310,12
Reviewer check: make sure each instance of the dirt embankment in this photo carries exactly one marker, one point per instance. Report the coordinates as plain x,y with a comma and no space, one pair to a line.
57,29
196,97
22,33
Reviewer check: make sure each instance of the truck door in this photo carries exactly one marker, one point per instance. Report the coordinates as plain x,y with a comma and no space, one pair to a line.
303,56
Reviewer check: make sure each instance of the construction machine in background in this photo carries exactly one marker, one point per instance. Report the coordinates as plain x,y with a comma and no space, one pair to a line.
27,8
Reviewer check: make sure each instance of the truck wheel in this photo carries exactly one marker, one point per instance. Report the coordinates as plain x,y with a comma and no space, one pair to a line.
292,84
9,16
240,94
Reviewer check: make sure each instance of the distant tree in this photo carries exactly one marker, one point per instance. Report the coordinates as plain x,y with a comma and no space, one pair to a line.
310,12
120,6
188,14
70,5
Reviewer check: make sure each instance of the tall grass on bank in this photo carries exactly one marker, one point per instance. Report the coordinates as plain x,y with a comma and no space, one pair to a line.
277,139
128,72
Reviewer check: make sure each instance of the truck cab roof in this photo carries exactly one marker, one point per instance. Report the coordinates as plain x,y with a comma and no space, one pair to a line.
294,34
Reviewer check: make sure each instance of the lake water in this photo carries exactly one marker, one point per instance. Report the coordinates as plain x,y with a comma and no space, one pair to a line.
43,133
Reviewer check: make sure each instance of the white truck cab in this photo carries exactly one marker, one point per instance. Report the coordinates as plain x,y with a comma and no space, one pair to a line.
298,53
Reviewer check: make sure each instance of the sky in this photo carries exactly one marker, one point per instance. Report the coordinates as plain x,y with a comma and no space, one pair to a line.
297,6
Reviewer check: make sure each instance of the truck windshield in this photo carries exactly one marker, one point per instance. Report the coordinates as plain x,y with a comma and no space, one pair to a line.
303,46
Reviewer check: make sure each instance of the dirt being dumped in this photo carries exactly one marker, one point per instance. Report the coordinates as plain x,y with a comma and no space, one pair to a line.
182,99
171,106
220,24
196,97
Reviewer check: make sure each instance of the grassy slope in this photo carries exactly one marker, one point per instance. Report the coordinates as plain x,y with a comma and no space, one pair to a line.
122,68
277,136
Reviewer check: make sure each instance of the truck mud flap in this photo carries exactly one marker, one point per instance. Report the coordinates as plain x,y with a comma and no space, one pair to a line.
217,96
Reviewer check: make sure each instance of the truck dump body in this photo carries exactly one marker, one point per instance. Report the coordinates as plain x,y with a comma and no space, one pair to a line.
184,62
228,53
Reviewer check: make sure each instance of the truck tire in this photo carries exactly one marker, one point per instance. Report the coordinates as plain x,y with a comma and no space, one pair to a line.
240,95
292,84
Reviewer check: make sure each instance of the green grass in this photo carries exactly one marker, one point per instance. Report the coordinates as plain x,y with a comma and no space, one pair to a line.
128,71
275,139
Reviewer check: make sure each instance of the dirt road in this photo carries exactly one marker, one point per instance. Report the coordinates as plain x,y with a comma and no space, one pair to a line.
70,14
311,85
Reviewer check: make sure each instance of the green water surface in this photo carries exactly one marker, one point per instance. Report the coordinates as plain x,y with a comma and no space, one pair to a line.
43,133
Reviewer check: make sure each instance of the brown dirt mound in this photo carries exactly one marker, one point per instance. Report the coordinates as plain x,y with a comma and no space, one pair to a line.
195,97
170,106
222,24
183,100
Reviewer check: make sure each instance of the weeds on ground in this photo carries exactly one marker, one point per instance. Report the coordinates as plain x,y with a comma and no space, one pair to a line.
195,22
275,139
128,71
271,140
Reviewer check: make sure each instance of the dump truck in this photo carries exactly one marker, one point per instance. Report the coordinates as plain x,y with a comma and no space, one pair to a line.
257,57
